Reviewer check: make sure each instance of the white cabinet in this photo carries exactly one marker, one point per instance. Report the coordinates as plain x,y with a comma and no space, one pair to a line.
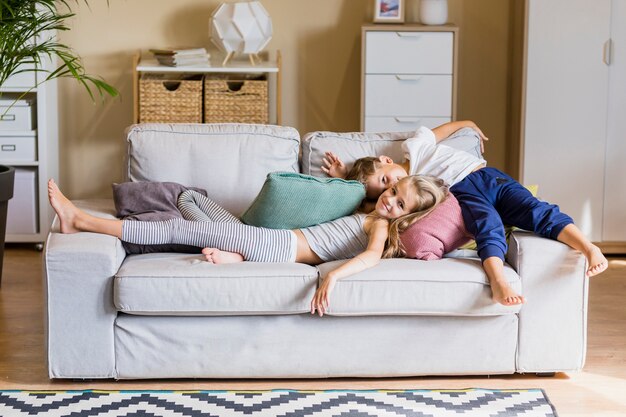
29,142
408,77
614,225
574,95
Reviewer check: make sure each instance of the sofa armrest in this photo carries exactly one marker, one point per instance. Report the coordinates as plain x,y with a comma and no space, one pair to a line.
553,322
78,277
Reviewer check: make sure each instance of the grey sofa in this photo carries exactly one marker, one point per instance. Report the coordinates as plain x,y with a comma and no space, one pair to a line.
169,315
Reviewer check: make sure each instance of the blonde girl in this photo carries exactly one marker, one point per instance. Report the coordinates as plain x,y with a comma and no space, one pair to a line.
362,238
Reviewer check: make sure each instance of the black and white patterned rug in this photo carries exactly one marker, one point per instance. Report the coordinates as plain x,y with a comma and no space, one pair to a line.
277,403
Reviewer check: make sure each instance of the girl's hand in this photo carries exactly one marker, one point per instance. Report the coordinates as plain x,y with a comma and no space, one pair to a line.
321,299
334,166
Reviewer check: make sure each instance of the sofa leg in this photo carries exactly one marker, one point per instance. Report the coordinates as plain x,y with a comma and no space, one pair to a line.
545,374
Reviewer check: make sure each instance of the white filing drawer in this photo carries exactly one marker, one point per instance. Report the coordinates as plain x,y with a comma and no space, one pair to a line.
402,124
18,147
407,52
409,77
22,208
16,116
408,95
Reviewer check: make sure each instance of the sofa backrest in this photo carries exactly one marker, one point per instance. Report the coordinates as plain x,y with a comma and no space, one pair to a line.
230,161
352,146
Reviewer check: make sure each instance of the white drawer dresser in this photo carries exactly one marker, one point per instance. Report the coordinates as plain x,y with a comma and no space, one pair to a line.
408,76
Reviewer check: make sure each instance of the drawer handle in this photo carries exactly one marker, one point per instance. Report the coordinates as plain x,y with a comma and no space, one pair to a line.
407,119
606,52
413,35
8,148
7,117
408,77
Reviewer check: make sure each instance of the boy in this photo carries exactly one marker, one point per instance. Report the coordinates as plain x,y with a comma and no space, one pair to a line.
488,199
416,161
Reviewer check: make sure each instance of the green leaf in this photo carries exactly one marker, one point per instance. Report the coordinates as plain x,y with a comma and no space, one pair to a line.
21,22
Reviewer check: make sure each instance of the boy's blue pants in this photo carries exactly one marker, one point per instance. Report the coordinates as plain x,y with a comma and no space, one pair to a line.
489,198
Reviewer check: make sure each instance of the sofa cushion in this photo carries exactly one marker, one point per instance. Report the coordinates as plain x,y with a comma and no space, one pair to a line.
230,161
441,232
292,201
447,287
349,147
177,284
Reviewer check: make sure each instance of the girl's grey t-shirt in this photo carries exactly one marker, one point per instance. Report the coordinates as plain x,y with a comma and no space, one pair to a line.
343,238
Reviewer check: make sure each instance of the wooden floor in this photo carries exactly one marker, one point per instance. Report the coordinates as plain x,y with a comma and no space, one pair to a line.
599,390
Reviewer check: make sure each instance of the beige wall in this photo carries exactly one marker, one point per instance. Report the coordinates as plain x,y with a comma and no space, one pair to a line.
320,44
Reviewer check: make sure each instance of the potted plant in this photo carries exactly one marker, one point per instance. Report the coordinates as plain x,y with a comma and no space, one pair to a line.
21,22
7,175
27,38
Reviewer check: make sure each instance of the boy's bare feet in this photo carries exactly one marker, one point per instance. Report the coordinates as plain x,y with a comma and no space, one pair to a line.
217,257
505,295
65,209
596,261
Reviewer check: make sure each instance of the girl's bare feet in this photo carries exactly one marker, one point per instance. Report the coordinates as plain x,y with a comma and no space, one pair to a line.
217,257
596,261
505,295
66,211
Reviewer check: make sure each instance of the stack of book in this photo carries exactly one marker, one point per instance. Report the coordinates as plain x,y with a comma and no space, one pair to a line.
181,57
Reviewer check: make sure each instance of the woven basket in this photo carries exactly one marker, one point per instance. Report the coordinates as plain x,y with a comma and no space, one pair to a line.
166,99
236,101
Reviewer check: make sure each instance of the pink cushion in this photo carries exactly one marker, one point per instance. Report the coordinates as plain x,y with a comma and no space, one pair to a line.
440,232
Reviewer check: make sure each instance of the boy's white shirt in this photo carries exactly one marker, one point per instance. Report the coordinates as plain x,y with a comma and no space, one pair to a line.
426,157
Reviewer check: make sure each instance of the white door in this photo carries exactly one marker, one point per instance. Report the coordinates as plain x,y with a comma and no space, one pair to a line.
615,179
566,103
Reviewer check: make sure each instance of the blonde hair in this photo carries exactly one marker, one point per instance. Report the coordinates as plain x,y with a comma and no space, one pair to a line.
429,192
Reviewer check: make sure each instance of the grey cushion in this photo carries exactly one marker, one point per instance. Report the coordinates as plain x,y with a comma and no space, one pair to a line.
175,284
352,146
349,147
150,201
136,198
447,287
230,161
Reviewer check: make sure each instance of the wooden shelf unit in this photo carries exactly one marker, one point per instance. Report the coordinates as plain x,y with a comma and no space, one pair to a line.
270,67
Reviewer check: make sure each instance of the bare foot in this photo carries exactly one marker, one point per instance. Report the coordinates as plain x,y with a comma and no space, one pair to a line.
596,261
64,208
217,257
504,294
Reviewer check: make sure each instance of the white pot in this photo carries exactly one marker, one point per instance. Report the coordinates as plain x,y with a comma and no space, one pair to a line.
433,12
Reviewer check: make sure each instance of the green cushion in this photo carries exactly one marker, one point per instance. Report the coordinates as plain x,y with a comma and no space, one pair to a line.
290,200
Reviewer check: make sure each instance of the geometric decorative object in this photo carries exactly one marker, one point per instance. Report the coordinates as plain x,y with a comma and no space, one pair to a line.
281,402
243,27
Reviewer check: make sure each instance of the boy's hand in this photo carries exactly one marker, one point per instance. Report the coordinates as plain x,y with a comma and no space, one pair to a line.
334,166
321,299
445,130
483,138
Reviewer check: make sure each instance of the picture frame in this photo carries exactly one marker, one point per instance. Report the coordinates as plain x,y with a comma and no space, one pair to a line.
389,11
